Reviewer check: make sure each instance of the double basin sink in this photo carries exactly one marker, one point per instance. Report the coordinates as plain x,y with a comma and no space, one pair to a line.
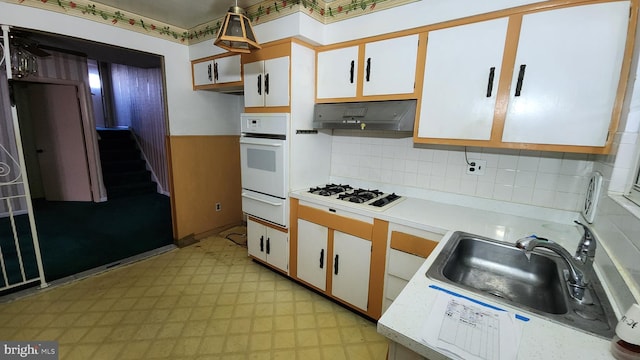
536,282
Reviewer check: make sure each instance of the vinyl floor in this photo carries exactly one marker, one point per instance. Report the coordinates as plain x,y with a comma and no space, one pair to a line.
204,301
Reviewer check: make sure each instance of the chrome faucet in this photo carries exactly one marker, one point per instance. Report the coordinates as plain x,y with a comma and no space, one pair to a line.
578,265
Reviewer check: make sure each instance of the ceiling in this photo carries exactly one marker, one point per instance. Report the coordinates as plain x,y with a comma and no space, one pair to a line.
183,14
171,12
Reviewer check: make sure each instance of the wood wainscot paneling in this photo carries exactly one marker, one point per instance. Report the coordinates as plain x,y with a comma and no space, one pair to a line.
205,170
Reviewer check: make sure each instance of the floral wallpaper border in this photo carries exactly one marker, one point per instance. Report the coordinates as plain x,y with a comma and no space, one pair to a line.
323,11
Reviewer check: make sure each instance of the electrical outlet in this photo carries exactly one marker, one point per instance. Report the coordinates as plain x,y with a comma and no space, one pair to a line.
218,207
476,167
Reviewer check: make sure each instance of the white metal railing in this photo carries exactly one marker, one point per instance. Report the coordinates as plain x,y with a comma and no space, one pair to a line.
14,188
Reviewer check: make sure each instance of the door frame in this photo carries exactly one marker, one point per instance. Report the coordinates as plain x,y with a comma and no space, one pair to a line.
98,191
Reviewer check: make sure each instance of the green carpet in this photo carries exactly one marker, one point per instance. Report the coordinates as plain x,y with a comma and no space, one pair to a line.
78,236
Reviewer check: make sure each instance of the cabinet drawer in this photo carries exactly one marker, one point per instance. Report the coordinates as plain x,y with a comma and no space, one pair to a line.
403,265
394,287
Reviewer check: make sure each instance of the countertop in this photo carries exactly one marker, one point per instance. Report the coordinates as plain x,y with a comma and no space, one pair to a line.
541,338
405,318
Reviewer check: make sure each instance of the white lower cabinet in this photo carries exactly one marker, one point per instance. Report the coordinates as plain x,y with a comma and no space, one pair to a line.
312,253
351,264
268,244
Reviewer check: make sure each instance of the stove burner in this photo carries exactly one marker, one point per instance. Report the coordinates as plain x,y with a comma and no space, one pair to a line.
360,195
331,189
375,198
385,200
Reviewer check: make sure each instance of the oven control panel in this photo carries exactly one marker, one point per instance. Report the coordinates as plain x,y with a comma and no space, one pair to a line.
272,123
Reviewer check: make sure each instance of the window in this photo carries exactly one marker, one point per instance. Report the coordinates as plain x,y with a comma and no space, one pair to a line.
634,193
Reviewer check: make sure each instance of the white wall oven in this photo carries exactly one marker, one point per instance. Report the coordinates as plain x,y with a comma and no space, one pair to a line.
264,160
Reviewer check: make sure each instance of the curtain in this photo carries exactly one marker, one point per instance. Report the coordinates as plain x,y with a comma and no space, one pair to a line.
138,103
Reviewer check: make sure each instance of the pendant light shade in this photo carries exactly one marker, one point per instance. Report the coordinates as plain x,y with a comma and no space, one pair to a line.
236,33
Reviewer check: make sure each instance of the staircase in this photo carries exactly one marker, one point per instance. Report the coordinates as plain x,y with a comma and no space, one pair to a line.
123,168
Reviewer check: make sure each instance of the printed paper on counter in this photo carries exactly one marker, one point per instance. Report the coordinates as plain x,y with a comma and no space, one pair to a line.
471,331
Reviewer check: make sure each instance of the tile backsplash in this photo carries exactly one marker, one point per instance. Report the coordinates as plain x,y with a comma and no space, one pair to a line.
547,179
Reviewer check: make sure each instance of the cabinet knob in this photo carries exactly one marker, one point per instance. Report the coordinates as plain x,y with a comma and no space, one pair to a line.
268,246
261,243
266,84
322,259
335,265
260,84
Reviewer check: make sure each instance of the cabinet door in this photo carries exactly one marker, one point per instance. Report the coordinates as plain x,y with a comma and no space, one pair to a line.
566,75
277,248
276,82
351,263
461,80
253,84
203,73
337,73
312,253
256,240
227,69
390,66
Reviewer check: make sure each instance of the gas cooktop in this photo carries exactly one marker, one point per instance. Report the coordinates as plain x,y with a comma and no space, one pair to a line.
372,199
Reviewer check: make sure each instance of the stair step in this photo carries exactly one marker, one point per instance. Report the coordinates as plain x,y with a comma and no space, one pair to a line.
121,178
113,166
123,168
131,189
114,134
119,154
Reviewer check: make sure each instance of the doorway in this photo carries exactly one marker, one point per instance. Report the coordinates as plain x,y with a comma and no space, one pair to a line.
53,141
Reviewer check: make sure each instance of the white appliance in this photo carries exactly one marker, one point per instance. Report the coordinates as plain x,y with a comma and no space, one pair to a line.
264,161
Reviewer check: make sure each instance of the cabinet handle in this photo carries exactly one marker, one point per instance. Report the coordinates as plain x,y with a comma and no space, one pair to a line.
215,71
260,84
520,79
266,84
261,243
368,68
322,259
353,64
492,73
209,72
335,265
268,246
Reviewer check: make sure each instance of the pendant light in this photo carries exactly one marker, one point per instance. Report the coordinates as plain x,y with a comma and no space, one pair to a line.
236,33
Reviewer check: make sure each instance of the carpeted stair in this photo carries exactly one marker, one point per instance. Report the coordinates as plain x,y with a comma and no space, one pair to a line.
123,168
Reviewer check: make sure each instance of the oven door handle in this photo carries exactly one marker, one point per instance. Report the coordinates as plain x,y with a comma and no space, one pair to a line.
261,200
249,142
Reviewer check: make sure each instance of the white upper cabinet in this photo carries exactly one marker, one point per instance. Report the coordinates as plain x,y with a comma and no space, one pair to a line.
203,73
227,69
217,71
461,80
566,75
266,83
387,68
337,73
390,66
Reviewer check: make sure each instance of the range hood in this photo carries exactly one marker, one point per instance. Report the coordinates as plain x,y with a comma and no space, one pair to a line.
392,115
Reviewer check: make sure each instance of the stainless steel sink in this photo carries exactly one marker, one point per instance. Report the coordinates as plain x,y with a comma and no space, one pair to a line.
538,284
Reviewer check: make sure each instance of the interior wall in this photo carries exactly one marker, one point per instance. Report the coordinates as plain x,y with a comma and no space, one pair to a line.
189,112
547,179
205,171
